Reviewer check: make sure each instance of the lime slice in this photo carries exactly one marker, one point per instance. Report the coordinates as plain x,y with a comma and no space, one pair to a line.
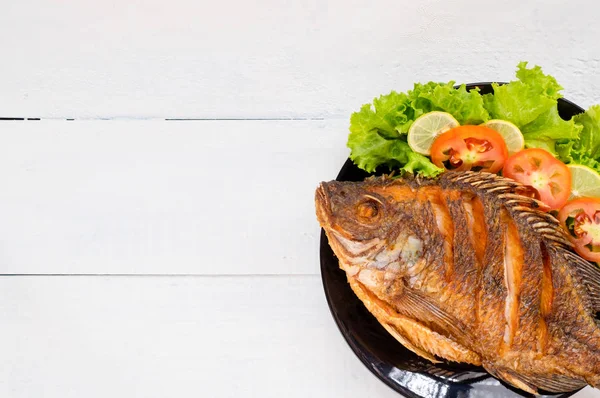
426,128
584,182
511,134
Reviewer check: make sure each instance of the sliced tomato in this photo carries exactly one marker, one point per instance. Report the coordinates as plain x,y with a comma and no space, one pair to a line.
464,148
581,219
537,168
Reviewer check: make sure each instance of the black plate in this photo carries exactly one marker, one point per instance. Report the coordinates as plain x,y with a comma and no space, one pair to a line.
396,366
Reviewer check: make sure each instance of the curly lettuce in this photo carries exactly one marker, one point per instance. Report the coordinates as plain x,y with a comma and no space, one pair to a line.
378,131
531,103
585,148
588,142
466,106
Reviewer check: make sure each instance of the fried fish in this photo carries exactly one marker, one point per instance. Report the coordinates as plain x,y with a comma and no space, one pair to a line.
466,268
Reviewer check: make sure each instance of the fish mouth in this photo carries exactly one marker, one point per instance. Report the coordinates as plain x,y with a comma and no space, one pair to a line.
323,206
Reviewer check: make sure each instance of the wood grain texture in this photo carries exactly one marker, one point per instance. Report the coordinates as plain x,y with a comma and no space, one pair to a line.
174,337
212,197
159,197
268,58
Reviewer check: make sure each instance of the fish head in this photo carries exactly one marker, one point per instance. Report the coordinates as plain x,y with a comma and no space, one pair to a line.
360,220
351,209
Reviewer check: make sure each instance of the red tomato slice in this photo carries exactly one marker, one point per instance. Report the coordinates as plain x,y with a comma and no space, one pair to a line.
581,219
466,148
537,168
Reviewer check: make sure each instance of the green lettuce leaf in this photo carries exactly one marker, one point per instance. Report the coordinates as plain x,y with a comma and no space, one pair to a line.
548,129
378,131
585,148
524,100
373,144
535,78
517,103
531,103
563,149
465,106
371,150
387,112
420,164
586,161
588,144
543,144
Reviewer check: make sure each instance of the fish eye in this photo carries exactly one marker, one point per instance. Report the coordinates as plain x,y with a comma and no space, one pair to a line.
368,209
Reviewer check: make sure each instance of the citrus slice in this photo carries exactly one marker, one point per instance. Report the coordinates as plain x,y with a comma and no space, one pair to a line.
584,182
511,134
426,128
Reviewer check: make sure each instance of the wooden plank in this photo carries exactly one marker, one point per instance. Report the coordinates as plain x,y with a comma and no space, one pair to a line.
175,336
159,197
267,58
158,337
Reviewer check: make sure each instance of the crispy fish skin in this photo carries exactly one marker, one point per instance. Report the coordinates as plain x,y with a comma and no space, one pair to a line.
466,268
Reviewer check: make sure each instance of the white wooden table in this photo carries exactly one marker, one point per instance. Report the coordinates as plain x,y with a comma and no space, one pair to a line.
148,257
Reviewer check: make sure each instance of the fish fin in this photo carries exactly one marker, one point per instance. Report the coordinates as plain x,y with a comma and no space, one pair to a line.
511,378
405,341
511,192
512,195
486,182
589,274
385,314
533,383
417,306
428,340
412,334
543,224
557,383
